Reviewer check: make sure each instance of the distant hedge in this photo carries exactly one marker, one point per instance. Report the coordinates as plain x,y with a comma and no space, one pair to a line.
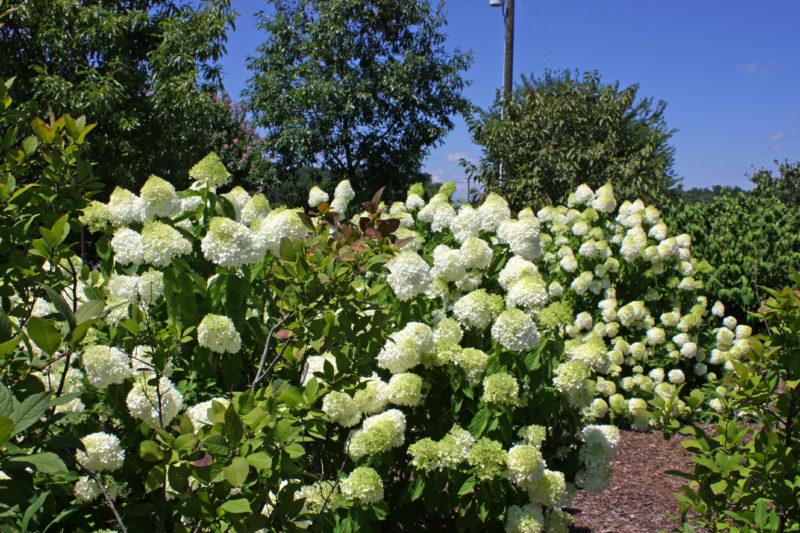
750,238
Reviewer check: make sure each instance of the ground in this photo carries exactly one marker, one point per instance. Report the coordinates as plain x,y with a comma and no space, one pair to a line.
640,492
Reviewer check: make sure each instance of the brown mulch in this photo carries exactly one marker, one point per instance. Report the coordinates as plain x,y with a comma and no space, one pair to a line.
640,492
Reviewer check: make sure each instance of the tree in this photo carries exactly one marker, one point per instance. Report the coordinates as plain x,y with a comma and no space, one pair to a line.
785,187
559,131
237,143
144,70
363,88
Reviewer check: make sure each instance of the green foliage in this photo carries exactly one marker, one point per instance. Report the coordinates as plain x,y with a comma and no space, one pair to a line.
750,239
745,471
785,187
38,219
559,131
145,72
37,261
362,88
294,191
698,195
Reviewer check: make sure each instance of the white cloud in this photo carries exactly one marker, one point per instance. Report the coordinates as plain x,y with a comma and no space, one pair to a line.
454,157
756,69
780,138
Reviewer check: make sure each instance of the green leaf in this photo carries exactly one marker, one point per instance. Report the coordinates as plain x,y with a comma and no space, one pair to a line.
46,462
216,444
61,516
178,476
150,451
32,508
60,230
6,427
43,132
30,411
417,487
155,478
236,472
295,450
287,251
61,305
8,347
467,486
6,329
6,401
237,506
44,333
79,333
719,487
29,145
479,422
89,310
259,461
233,425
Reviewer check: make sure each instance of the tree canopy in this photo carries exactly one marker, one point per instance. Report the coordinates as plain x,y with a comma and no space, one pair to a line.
560,130
145,71
362,88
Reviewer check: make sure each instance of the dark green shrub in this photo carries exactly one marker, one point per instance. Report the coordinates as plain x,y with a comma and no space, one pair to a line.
560,130
750,239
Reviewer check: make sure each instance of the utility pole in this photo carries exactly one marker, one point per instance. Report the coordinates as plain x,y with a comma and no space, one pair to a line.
508,63
508,59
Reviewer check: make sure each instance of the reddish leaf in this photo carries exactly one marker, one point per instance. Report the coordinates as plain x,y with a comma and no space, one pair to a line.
307,221
283,334
400,242
377,198
203,461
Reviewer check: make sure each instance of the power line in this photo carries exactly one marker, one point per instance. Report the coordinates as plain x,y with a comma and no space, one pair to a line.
550,49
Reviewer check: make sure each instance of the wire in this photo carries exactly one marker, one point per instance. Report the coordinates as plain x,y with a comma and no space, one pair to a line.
550,50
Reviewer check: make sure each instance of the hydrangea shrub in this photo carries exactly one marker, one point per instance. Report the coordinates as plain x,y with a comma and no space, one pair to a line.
228,366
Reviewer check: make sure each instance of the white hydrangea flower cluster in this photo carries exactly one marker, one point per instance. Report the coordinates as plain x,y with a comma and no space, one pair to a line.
342,196
104,453
477,309
409,275
218,334
154,404
105,365
159,198
500,388
363,485
161,243
125,208
257,207
449,452
524,519
515,330
525,466
404,389
198,413
439,213
317,196
405,349
231,244
279,224
377,434
600,447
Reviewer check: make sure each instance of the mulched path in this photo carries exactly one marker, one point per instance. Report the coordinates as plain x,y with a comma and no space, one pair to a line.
640,492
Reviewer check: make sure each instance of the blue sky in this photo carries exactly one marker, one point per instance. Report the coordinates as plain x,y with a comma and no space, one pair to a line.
729,71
